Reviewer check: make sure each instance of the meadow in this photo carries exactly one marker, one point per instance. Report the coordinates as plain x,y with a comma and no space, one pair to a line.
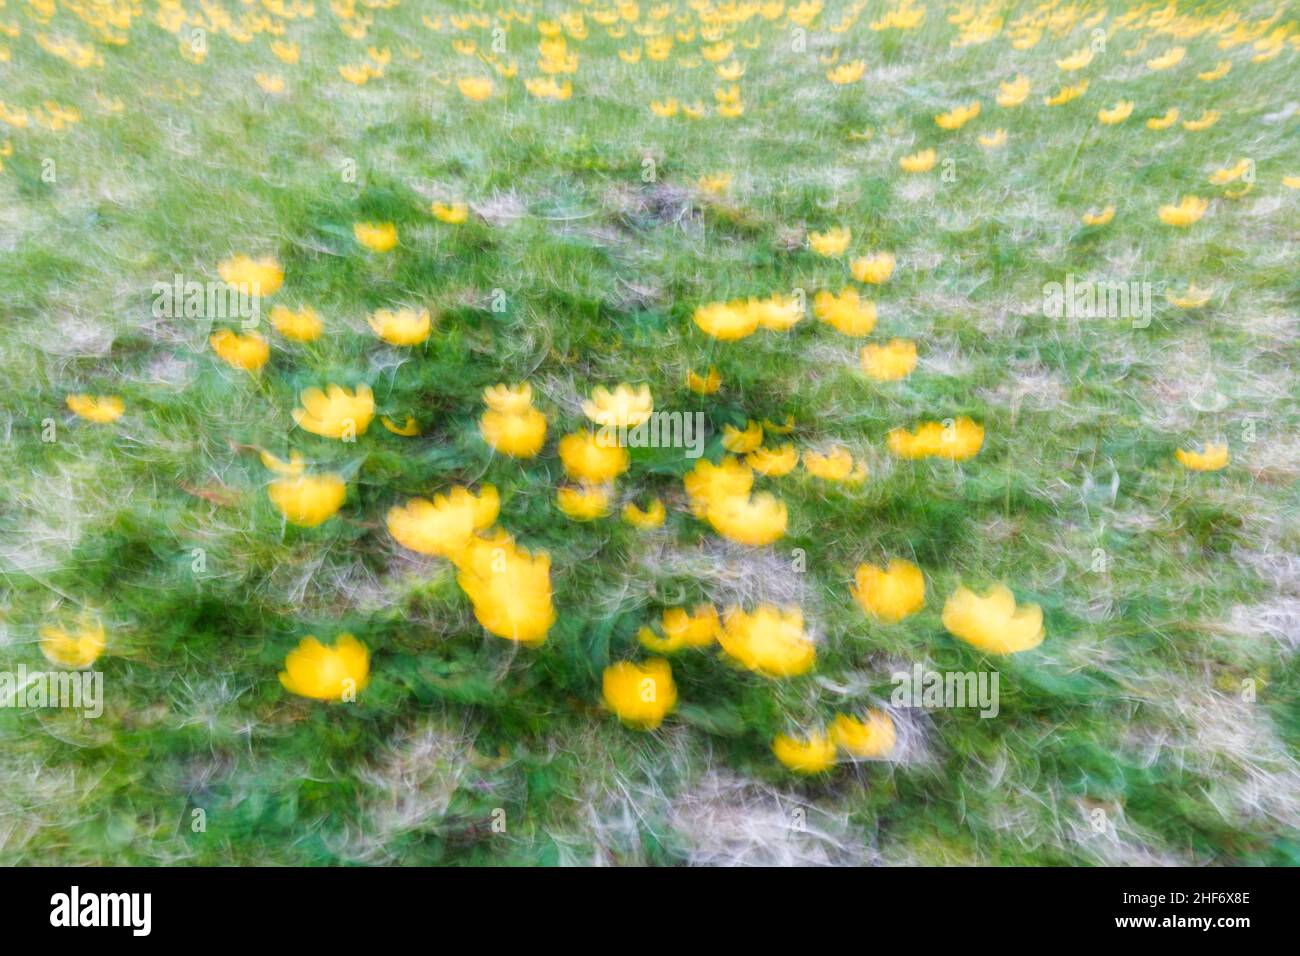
989,312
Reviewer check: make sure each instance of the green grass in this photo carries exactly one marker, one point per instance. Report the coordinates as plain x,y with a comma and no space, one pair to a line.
1132,704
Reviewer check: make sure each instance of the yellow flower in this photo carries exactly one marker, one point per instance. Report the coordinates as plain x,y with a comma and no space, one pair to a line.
993,623
1066,94
873,269
453,214
846,313
812,754
921,162
742,442
995,140
1219,72
770,641
336,413
285,51
408,430
1188,211
307,500
97,408
1204,121
625,407
1291,182
773,462
641,695
872,738
1212,458
293,467
666,109
79,649
706,385
403,326
511,425
698,627
755,521
475,88
301,326
1169,118
892,594
376,236
708,482
1117,113
1228,174
1013,93
509,588
783,429
589,459
956,440
830,243
269,82
446,525
889,363
1076,60
652,517
1172,58
1101,218
259,276
248,352
585,503
835,465
847,73
327,673
1193,298
776,313
511,399
727,321
717,184
957,118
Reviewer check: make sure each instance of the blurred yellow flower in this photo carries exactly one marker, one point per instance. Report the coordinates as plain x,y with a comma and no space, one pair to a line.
993,623
773,462
921,162
726,321
409,429
708,482
404,326
97,408
248,352
830,243
1168,119
652,517
814,753
376,236
873,269
957,440
1189,210
307,500
303,325
475,88
847,313
1193,298
625,407
262,276
584,503
706,385
509,588
336,412
770,641
1102,218
446,525
1212,458
640,694
1116,114
451,213
890,594
511,425
872,738
889,363
741,441
753,521
588,459
77,649
327,673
